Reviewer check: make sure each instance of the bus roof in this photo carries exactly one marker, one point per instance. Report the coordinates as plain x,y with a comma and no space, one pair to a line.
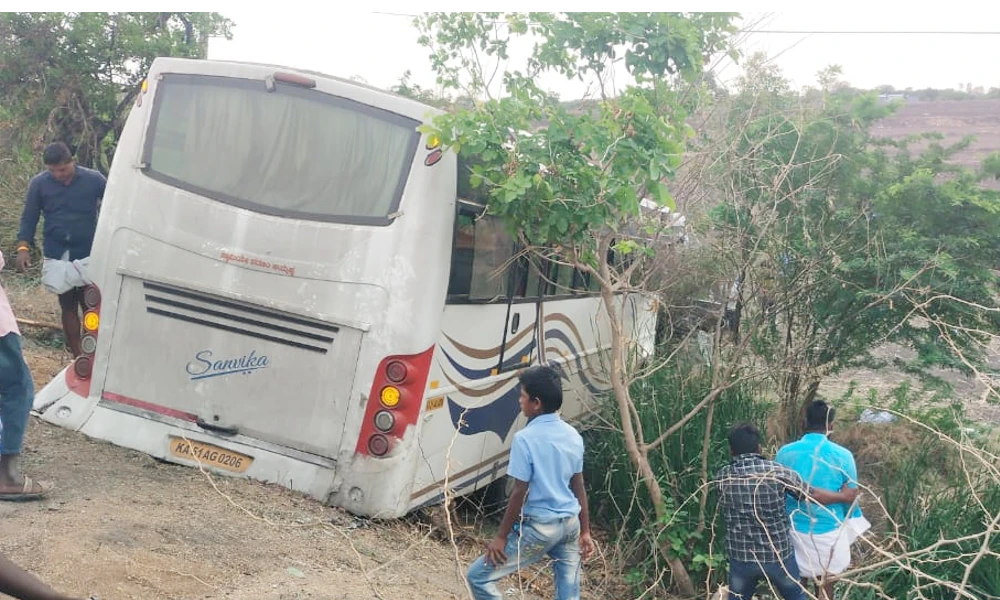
170,60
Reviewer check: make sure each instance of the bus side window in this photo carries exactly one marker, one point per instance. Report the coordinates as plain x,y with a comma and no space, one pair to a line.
536,283
493,251
564,280
460,282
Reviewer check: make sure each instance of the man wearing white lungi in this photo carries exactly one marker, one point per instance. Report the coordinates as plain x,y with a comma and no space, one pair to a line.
822,534
68,196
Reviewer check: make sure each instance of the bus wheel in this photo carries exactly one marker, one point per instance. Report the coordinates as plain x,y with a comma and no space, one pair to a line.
496,495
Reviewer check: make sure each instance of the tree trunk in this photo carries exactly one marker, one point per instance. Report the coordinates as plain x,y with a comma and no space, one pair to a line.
640,461
798,391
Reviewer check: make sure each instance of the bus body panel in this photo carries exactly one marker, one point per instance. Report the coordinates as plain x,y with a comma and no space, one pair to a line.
197,290
472,416
473,406
183,274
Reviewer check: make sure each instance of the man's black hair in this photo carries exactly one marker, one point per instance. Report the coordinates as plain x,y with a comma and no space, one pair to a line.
744,438
56,153
543,383
819,416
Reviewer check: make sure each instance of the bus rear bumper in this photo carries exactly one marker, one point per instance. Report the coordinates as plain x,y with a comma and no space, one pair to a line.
211,454
64,401
364,488
177,443
372,487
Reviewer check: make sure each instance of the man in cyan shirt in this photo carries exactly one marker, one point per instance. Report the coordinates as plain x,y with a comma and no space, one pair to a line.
547,514
752,493
69,196
17,392
822,534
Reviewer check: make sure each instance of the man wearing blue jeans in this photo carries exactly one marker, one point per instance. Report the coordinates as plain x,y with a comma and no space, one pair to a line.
752,494
547,514
17,392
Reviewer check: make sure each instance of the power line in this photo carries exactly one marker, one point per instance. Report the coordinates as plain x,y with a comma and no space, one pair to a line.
804,32
790,31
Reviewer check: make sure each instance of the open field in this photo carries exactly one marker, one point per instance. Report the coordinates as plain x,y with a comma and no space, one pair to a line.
954,120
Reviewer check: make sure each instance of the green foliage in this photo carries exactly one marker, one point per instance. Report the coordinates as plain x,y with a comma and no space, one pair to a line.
617,499
559,176
854,236
73,76
926,518
406,87
937,494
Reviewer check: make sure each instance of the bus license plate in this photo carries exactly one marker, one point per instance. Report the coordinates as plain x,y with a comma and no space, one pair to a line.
209,455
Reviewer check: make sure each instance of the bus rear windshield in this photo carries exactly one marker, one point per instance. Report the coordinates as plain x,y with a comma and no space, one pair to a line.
291,152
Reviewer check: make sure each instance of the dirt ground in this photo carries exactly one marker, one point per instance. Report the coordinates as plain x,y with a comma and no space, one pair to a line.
122,525
970,391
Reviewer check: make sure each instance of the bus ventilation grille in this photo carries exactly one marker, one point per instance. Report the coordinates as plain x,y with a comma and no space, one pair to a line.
238,318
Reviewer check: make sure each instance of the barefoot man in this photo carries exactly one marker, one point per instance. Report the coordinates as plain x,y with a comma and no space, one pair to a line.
69,197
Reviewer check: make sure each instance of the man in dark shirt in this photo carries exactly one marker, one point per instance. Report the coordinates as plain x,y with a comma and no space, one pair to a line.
69,196
752,493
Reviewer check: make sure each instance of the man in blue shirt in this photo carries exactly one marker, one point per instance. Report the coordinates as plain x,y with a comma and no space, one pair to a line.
547,514
822,534
69,197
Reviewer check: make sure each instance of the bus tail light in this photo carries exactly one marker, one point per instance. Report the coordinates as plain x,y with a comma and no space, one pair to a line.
91,297
84,364
395,401
378,444
395,371
384,420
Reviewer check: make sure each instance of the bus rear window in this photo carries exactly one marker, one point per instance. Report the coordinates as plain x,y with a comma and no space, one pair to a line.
292,152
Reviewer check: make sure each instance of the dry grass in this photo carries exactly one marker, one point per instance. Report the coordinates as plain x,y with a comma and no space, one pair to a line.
877,449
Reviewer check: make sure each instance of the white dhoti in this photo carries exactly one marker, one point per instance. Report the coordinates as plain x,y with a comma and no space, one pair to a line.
824,554
61,275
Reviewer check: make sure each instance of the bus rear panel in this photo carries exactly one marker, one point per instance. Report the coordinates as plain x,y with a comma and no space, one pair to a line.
266,238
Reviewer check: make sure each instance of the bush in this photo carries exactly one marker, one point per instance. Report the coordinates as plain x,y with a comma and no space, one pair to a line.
619,501
939,505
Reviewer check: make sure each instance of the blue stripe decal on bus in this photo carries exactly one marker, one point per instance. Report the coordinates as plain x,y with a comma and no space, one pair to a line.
497,416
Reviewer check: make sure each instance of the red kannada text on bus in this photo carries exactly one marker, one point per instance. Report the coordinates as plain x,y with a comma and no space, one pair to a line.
256,262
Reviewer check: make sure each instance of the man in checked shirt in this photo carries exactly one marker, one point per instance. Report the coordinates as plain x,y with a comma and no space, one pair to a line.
752,493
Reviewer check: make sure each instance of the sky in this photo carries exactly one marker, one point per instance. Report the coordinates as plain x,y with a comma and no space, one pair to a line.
380,46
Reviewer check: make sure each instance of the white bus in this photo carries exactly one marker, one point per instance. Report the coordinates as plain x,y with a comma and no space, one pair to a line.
287,288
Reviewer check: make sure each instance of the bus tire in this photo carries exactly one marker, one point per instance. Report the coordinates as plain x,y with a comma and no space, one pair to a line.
496,494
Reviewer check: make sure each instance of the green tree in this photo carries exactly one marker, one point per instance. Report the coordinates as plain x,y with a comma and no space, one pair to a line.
846,242
73,76
571,183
